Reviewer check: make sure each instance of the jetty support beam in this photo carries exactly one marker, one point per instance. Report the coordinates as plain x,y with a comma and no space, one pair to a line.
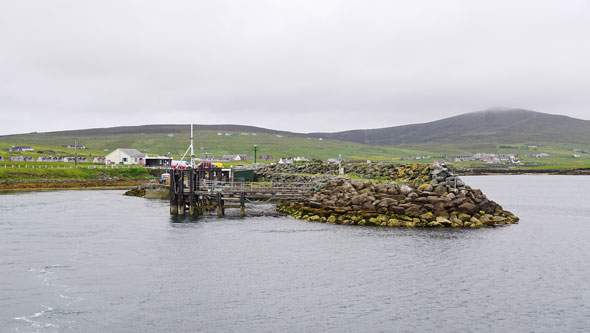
220,210
181,203
173,196
242,204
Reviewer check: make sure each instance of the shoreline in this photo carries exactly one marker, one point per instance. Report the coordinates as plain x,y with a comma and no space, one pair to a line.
490,172
70,184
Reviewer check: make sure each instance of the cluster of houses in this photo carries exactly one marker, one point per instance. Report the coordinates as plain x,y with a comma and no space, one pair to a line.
538,155
485,157
69,159
421,157
230,134
20,149
292,160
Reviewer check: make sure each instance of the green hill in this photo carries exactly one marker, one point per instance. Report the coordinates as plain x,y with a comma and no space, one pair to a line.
497,126
492,131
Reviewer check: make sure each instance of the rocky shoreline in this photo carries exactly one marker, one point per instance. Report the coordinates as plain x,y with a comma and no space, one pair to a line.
393,195
150,191
515,171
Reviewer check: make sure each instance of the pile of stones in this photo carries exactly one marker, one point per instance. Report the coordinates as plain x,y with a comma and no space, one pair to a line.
358,202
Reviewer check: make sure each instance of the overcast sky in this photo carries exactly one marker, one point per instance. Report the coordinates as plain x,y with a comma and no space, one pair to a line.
291,65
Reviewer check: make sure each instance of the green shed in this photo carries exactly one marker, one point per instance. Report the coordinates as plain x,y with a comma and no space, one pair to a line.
243,175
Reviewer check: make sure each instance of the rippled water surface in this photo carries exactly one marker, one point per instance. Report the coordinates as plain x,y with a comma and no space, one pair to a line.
96,261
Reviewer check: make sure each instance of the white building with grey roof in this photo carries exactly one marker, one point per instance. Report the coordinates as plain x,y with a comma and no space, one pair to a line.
125,156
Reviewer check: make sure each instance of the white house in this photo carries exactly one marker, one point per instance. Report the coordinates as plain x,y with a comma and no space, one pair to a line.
125,156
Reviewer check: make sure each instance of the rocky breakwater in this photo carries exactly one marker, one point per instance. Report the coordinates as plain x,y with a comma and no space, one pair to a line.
360,202
404,173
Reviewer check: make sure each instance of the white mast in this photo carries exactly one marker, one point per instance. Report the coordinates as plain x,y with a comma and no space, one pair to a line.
192,148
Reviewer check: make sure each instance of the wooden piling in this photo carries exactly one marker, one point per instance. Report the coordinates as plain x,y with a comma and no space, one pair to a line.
192,203
220,210
242,204
173,196
181,203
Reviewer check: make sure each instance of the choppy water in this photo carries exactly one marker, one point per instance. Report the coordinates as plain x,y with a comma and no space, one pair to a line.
96,261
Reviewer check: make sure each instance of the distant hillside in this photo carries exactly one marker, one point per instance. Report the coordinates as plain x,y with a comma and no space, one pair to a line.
498,126
491,131
168,128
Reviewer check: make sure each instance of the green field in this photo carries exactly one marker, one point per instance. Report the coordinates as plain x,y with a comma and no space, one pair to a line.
20,171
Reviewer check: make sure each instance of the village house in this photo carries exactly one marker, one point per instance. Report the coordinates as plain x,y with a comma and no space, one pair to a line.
99,159
126,156
72,159
266,158
48,159
73,147
539,155
20,148
21,159
239,157
285,161
300,159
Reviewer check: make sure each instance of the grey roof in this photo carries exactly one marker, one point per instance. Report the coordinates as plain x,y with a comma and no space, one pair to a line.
132,152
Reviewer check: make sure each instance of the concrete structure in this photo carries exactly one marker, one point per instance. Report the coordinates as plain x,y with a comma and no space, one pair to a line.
125,156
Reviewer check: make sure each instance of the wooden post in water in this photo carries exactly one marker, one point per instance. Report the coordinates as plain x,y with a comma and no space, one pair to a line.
192,211
181,204
219,205
173,196
242,204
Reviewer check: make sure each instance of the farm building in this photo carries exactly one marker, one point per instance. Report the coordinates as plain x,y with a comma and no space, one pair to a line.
20,148
125,156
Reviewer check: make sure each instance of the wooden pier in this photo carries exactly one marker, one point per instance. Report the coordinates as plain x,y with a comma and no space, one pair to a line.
200,190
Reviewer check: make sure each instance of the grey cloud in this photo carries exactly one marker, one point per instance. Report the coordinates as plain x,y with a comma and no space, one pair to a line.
292,65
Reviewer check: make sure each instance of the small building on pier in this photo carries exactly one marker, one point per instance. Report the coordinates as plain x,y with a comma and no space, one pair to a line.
157,162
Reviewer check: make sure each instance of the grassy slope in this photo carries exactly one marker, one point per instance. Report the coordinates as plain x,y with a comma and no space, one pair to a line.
161,143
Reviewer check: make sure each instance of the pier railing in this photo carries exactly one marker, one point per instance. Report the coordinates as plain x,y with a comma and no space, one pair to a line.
260,187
